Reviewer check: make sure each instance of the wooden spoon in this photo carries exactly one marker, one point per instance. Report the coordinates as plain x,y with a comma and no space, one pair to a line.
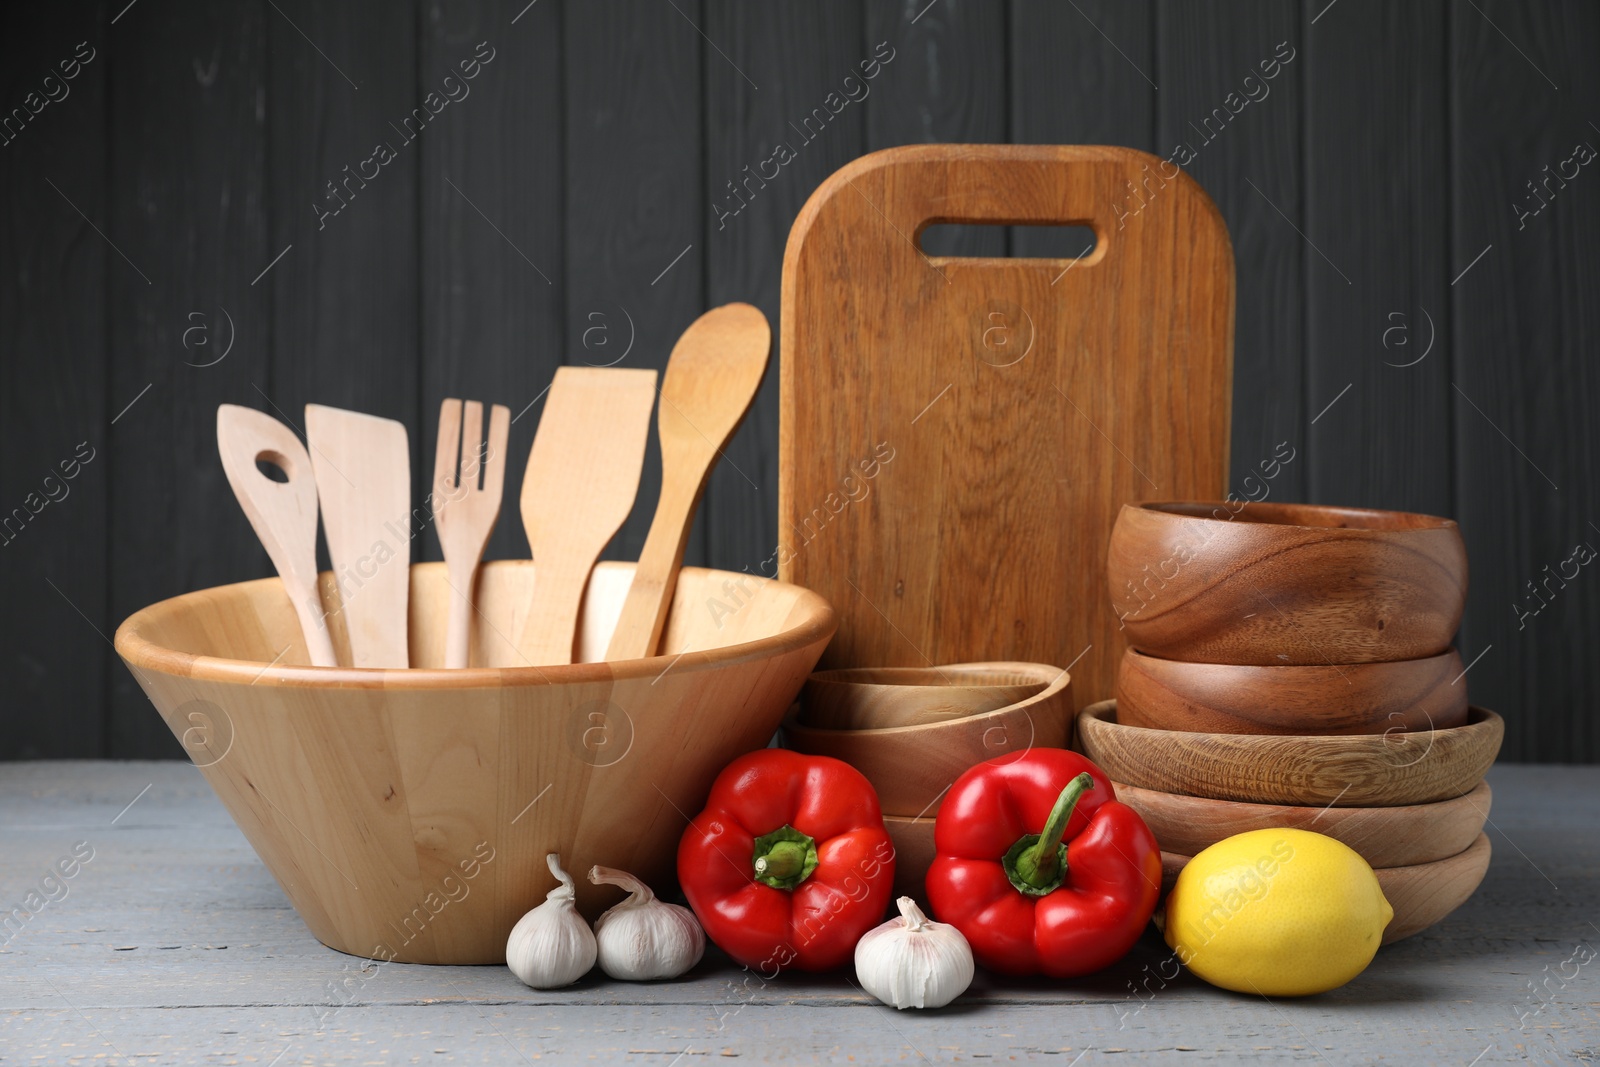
284,514
463,514
363,468
711,380
582,476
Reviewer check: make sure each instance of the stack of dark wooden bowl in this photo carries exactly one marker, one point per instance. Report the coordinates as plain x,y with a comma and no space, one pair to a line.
1291,667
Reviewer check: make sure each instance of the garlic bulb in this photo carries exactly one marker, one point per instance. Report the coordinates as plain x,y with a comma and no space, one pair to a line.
642,937
914,962
552,946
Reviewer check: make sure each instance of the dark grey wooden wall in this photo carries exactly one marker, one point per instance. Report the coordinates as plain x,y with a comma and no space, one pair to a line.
1417,291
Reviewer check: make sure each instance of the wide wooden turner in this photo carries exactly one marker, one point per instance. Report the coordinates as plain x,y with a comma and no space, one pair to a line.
957,434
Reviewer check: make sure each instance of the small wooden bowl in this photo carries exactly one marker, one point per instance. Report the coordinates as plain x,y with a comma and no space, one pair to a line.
1385,837
1285,584
912,766
868,698
1357,698
1421,895
913,853
407,813
1357,771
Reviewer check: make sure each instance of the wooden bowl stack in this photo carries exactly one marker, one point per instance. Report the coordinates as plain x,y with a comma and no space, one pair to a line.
1290,667
912,731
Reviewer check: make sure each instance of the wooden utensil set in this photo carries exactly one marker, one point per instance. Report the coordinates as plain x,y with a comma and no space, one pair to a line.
580,484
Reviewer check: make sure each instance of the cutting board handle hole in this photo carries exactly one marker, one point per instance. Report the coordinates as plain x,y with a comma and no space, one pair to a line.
1008,240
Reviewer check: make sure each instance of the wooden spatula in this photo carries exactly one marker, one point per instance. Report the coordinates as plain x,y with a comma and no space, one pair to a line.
464,514
284,514
583,474
715,370
363,469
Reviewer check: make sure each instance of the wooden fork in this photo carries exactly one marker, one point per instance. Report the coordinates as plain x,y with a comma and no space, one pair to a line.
463,513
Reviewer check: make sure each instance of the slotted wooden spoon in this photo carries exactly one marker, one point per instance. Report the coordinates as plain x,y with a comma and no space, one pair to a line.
284,514
711,380
363,469
582,476
464,514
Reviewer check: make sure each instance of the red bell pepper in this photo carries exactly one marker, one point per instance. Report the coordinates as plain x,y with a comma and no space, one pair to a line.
1040,868
789,864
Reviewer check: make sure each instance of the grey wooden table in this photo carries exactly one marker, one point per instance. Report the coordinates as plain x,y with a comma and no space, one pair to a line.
173,945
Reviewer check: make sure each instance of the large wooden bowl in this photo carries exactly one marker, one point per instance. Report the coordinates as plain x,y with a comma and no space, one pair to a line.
1285,584
1421,894
911,767
870,698
1385,837
407,813
1357,771
1355,698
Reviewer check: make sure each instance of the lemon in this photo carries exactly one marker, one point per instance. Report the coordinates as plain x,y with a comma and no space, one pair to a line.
1282,913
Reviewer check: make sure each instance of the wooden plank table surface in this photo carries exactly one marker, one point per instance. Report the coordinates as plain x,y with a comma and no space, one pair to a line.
173,945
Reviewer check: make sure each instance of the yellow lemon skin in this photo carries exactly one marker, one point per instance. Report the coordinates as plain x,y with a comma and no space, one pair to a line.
1282,913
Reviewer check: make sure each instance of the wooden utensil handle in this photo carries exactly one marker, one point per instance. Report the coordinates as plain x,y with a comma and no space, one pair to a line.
644,612
457,651
551,630
314,624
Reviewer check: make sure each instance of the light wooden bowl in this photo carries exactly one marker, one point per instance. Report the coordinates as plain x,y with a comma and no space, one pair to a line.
913,853
1285,584
1356,698
407,813
1385,837
912,766
1421,895
1357,771
868,698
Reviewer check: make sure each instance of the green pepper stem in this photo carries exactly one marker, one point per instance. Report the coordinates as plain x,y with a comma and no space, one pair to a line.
783,861
784,858
1041,864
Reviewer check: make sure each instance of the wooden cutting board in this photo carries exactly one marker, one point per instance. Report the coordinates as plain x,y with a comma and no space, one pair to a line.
957,434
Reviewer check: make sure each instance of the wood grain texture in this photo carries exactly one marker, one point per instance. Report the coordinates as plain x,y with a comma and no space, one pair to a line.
912,767
1285,583
1378,258
187,158
1351,698
1357,771
343,152
635,190
1240,132
1385,837
374,795
1526,440
283,514
1421,895
948,83
710,382
469,477
55,445
869,698
979,482
776,77
580,483
363,471
492,210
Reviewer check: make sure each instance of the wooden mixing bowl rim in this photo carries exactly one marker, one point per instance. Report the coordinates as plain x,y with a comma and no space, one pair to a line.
978,675
1481,792
791,719
1479,720
1379,523
142,653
